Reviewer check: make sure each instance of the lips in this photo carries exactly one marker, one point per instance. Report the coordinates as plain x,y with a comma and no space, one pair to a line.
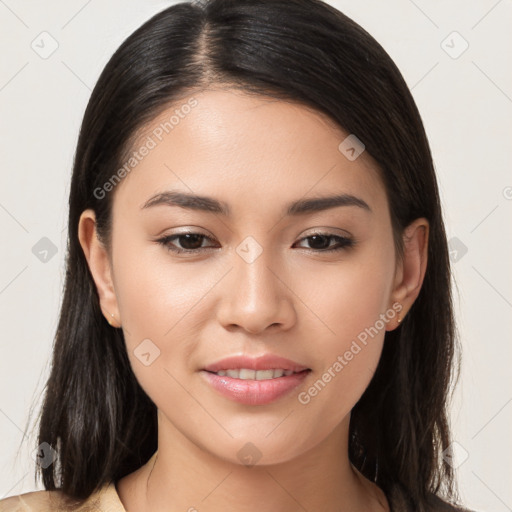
255,381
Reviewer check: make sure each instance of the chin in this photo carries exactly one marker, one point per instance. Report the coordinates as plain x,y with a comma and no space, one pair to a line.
261,450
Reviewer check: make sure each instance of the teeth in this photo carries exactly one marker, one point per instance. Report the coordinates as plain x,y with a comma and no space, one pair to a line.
263,374
246,374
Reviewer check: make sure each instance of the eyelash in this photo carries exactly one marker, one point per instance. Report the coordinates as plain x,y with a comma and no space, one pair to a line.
343,242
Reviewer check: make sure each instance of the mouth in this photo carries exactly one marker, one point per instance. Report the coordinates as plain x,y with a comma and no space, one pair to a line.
254,387
253,380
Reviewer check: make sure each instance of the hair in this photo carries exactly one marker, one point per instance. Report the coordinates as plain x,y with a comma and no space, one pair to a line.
95,414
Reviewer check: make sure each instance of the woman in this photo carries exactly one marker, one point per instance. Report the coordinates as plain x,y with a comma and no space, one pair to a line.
257,309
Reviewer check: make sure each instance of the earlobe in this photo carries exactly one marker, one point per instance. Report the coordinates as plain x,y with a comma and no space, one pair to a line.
99,265
411,272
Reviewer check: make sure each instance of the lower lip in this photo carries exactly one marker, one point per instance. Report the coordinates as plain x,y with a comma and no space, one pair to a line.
254,392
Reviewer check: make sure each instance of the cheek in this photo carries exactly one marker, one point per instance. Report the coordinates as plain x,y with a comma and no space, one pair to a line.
153,293
350,297
354,309
162,311
155,304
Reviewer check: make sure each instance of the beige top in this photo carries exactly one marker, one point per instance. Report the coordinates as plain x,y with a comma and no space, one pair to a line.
105,500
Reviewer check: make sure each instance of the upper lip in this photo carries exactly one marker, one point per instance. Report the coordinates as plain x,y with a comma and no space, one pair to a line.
263,362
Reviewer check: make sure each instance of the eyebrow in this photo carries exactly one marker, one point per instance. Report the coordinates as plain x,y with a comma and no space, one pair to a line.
209,204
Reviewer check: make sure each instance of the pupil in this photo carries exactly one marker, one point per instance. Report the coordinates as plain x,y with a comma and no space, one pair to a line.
322,238
189,238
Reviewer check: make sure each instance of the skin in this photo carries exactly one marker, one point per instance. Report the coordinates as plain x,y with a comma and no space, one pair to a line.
256,154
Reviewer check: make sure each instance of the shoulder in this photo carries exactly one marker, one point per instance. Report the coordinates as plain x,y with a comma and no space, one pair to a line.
31,501
105,499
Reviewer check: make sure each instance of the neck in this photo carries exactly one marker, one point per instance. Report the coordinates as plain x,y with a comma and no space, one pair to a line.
181,476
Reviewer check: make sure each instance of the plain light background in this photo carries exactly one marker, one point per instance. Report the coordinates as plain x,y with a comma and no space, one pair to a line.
465,98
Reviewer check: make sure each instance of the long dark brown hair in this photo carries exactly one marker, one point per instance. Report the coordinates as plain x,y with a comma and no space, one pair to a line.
95,414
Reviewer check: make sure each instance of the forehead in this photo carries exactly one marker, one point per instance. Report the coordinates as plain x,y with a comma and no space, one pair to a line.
245,149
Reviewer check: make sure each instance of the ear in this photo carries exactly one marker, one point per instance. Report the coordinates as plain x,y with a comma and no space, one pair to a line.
100,266
411,270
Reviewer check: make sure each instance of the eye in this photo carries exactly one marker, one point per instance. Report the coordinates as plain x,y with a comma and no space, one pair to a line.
190,242
321,242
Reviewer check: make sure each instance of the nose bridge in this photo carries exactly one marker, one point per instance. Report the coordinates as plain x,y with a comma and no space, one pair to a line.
256,298
252,269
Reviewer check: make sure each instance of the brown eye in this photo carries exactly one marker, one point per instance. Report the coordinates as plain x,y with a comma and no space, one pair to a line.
321,242
188,242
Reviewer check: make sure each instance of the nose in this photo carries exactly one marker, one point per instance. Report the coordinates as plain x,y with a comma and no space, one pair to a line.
255,297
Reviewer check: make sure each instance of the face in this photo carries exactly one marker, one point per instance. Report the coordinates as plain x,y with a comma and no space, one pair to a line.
251,279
